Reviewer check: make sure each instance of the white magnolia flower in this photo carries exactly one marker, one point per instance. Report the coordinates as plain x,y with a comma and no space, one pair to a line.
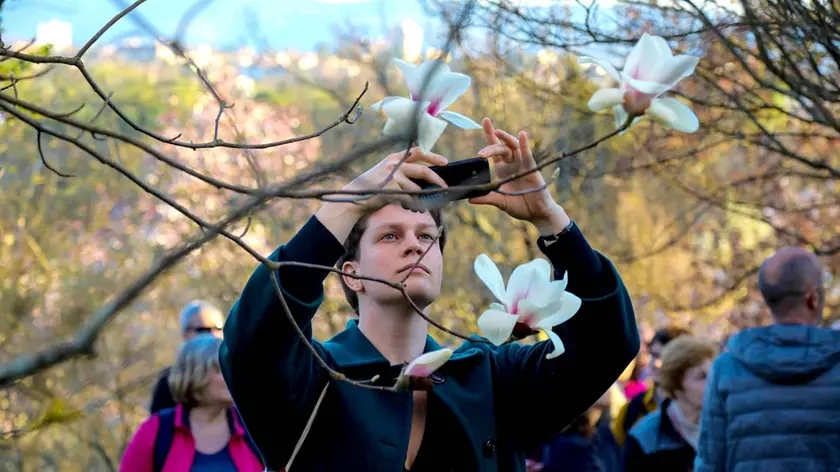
530,302
649,71
440,91
415,375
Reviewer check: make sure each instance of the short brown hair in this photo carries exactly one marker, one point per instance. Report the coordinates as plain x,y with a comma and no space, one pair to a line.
190,375
678,356
352,246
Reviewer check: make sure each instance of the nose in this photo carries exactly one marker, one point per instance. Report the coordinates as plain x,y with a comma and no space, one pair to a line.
412,246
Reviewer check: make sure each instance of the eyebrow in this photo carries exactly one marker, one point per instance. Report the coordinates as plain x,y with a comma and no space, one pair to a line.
402,226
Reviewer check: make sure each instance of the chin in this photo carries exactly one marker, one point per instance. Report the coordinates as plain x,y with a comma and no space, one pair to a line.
422,296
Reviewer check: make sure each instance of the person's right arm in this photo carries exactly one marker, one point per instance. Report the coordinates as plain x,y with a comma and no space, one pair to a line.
272,375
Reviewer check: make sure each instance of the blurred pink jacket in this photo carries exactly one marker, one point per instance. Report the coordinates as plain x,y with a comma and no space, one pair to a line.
139,455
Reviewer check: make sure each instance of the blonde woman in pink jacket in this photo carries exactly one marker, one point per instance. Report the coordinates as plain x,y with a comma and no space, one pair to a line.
203,432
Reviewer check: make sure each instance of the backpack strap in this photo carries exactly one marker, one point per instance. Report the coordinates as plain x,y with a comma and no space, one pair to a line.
306,428
163,439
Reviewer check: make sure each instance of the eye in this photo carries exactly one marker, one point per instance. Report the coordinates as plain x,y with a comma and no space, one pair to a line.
389,237
427,236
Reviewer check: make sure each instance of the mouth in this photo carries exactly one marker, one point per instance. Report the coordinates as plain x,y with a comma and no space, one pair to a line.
419,267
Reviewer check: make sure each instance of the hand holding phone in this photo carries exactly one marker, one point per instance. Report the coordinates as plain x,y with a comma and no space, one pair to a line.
471,171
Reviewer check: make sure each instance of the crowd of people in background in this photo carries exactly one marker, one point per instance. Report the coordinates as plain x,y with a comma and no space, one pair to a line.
768,402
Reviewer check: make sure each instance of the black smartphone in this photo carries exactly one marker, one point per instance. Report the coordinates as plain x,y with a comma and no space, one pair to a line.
471,171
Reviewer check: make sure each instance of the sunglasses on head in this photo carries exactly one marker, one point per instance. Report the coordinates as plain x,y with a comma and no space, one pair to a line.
204,329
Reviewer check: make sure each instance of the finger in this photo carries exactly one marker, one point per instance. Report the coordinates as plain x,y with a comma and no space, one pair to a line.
495,199
508,140
421,172
488,131
525,149
405,183
497,152
429,157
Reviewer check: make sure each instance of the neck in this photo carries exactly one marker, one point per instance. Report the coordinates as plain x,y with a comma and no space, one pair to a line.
208,414
689,413
396,331
798,316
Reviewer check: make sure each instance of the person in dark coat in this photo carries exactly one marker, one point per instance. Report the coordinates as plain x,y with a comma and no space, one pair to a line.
666,440
773,400
586,445
489,404
198,317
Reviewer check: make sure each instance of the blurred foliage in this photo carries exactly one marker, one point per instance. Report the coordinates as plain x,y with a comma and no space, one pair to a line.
67,246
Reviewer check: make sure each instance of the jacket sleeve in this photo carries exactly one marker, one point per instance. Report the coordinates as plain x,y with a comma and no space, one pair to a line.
711,453
600,341
139,454
272,375
633,457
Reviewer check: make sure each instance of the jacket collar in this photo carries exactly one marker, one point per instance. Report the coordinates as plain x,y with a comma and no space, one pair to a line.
351,348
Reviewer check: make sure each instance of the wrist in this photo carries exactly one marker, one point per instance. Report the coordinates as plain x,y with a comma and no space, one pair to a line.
339,218
552,223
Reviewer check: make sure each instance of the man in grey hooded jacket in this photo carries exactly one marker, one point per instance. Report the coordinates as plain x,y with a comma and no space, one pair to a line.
773,400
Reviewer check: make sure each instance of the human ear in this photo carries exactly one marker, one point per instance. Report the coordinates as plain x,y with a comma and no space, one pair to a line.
352,267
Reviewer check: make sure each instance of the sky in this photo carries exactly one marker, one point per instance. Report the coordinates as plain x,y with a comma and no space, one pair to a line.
288,24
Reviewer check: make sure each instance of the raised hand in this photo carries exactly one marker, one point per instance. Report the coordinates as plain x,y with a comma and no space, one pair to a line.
512,155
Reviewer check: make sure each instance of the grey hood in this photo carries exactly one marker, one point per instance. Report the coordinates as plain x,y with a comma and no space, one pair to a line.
787,354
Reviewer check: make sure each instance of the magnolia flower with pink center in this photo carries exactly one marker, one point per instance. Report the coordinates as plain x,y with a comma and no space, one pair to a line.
650,70
415,376
531,302
433,87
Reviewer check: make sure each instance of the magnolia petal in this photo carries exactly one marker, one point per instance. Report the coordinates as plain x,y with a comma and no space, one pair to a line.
429,132
644,59
378,105
563,312
649,88
413,77
559,348
673,114
606,98
401,112
427,363
459,120
551,293
675,69
497,325
498,306
445,89
609,68
489,273
526,279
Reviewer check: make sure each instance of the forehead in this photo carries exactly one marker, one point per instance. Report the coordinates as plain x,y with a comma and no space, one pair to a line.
395,215
206,316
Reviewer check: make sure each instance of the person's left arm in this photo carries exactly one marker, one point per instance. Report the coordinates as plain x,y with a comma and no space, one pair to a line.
537,397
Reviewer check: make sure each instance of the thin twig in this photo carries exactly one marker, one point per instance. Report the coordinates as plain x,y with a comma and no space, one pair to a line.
105,28
44,159
332,372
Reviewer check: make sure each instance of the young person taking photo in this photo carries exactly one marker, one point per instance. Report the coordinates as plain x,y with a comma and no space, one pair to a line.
489,404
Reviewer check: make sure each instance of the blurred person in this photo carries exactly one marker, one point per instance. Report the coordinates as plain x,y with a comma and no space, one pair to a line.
773,400
646,402
587,444
202,432
666,440
490,404
198,317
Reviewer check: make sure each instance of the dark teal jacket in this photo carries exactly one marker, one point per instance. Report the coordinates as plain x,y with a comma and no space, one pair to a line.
505,399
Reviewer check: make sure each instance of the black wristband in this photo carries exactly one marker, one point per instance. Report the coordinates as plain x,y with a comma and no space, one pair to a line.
555,237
